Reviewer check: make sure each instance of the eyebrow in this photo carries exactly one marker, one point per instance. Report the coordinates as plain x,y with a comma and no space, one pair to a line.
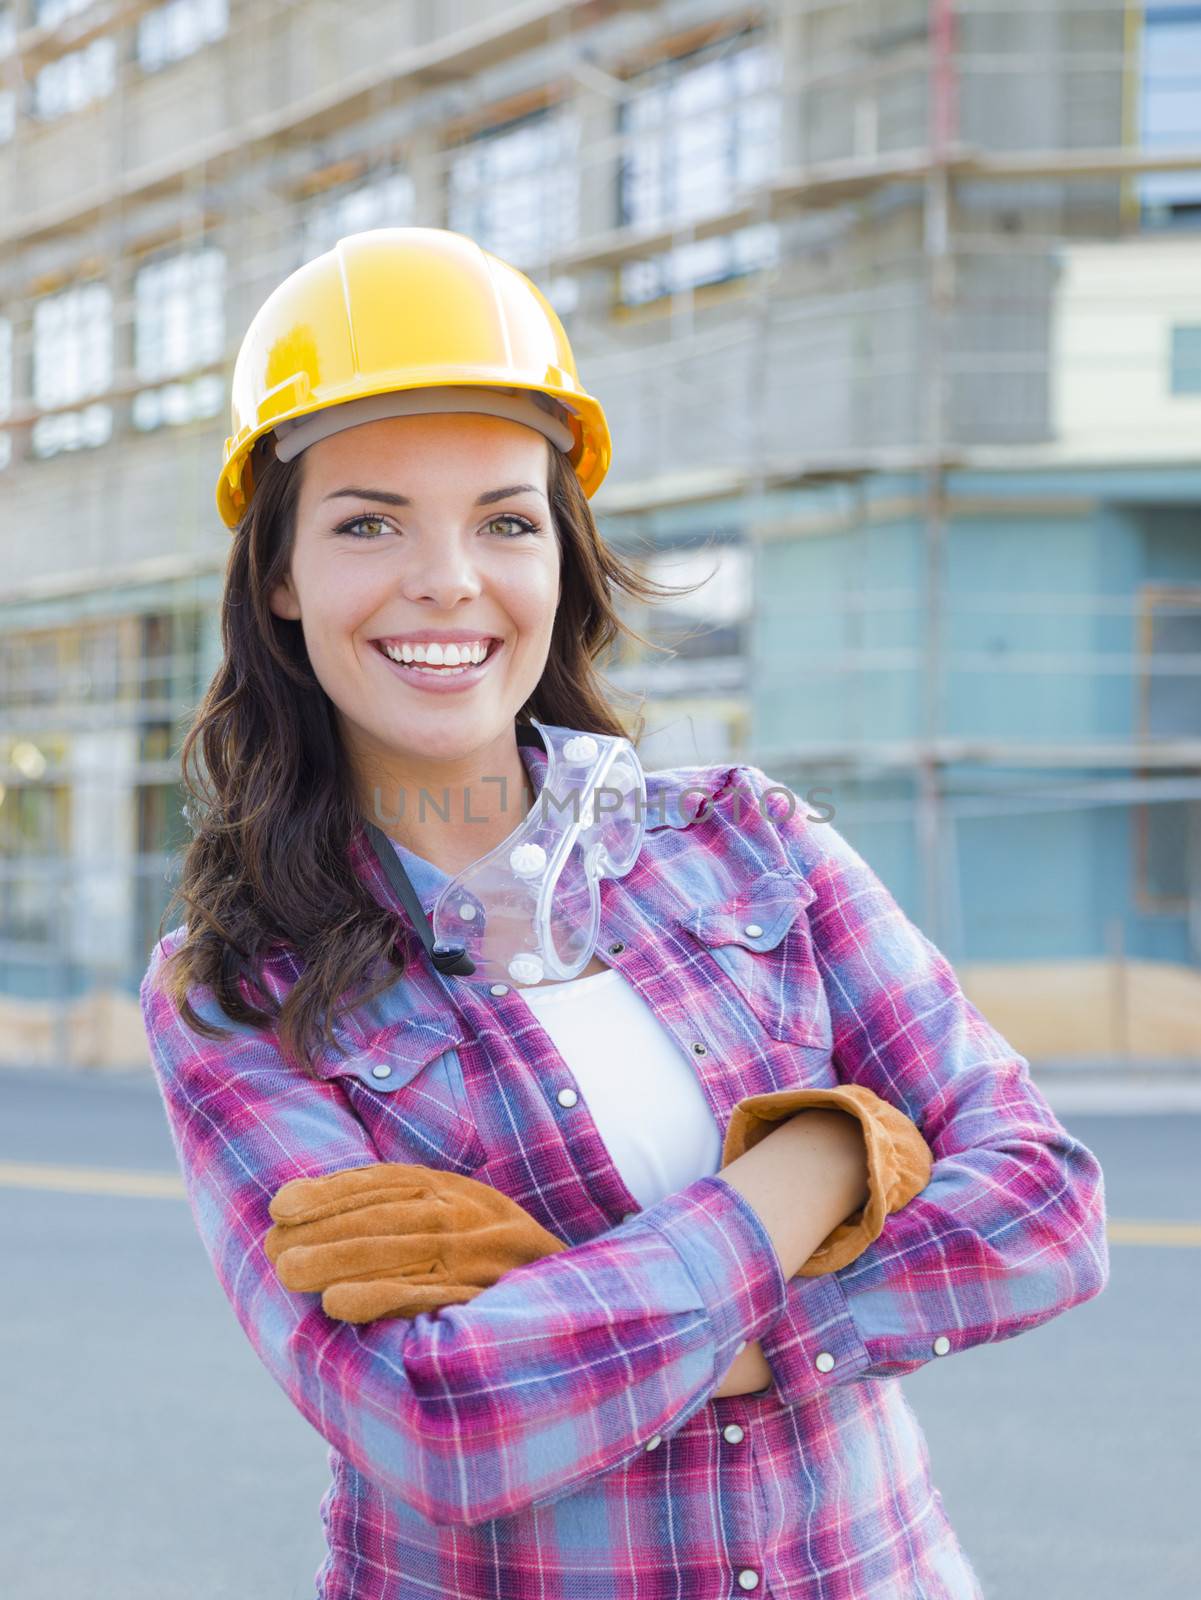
386,497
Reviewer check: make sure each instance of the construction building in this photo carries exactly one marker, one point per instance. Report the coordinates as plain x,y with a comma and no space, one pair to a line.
895,310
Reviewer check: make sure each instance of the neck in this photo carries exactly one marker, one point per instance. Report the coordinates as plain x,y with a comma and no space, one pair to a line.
449,812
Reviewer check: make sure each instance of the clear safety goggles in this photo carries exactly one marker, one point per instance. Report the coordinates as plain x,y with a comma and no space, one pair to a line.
530,909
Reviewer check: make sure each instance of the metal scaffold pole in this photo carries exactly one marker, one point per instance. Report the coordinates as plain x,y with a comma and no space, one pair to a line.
940,290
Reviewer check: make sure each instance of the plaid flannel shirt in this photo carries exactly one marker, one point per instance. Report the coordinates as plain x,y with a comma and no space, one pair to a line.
557,1435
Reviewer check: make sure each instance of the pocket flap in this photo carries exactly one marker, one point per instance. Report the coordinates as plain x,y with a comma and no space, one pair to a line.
757,917
388,1057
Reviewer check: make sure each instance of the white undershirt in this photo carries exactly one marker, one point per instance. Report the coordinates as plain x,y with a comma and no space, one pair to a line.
641,1089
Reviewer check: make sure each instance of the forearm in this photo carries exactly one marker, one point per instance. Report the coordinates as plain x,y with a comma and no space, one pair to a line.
803,1179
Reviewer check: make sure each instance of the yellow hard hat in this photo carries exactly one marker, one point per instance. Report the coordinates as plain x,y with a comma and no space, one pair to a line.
397,309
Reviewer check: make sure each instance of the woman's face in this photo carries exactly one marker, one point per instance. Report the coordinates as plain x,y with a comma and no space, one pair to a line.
433,534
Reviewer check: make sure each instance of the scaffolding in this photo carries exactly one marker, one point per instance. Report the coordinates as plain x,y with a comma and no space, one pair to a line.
902,324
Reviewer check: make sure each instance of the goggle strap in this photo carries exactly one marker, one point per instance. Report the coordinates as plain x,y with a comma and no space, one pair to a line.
452,960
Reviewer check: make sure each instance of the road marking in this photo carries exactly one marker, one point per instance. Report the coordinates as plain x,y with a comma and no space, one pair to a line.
162,1186
91,1180
1173,1233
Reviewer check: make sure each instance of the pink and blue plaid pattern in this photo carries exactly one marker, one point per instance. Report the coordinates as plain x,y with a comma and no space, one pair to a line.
555,1438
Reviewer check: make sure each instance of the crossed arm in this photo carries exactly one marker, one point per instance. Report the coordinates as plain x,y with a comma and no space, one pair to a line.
804,1178
1008,1233
391,1239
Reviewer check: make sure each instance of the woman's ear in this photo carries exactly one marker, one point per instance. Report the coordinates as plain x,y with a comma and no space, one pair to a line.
283,601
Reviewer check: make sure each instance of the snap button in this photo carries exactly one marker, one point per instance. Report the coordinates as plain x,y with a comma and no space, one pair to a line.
382,1071
824,1361
752,930
616,947
732,1433
699,1049
499,988
567,1097
748,1578
941,1345
653,1444
626,1215
740,1347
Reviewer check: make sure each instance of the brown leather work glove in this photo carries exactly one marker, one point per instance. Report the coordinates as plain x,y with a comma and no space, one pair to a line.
899,1161
390,1239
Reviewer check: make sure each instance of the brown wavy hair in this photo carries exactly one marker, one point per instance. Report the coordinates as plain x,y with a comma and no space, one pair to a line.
274,810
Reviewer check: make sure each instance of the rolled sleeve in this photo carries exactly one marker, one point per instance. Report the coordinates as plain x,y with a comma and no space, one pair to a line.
729,1253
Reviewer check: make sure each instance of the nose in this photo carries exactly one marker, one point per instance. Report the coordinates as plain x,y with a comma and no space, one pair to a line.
440,571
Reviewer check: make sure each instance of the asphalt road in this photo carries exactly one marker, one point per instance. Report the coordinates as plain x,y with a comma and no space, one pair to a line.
148,1455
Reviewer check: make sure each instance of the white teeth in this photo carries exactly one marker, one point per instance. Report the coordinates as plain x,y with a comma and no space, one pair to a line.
444,658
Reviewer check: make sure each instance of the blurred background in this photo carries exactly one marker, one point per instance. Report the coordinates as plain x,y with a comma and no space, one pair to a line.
895,310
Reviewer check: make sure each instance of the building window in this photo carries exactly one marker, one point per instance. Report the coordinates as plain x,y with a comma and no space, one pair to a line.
1168,832
1170,108
697,640
161,824
34,823
1186,359
694,674
168,666
708,622
75,80
179,29
697,139
72,360
1171,857
515,191
97,665
33,675
381,202
1171,679
179,325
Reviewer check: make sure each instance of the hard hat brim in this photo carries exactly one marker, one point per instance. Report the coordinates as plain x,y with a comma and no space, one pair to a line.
589,459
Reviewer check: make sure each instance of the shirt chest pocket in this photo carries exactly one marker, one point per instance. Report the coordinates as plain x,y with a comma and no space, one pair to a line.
404,1080
761,939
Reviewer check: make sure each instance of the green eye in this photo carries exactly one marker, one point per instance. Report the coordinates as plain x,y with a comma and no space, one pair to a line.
356,522
523,525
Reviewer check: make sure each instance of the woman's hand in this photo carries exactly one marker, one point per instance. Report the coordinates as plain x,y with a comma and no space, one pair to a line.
391,1239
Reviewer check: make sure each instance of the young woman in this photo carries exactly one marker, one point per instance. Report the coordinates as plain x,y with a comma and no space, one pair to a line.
565,1170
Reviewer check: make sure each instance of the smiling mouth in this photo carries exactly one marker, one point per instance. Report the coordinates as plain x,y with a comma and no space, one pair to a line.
438,669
